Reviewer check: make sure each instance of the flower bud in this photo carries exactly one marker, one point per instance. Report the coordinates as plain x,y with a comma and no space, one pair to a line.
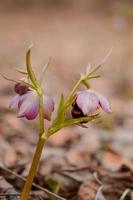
20,88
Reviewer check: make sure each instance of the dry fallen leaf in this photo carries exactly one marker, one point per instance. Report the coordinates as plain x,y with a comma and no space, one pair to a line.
88,190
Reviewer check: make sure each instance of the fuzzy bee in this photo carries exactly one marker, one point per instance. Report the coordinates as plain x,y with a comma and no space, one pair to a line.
76,111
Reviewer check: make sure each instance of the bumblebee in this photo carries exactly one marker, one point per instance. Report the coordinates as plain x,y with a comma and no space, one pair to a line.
76,111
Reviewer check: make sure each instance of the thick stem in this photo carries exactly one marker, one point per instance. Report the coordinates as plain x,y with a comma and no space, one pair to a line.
31,175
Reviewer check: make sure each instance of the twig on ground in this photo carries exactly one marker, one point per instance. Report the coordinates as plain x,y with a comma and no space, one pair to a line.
34,184
124,194
99,195
68,175
7,195
97,178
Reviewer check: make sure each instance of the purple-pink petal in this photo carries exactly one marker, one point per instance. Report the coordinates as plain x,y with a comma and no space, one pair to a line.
15,101
29,106
48,107
104,103
28,110
87,101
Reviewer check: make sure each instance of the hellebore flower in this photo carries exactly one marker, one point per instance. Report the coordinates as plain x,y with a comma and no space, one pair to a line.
28,104
87,102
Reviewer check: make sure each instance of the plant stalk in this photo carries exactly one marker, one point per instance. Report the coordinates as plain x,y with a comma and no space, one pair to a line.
38,152
32,172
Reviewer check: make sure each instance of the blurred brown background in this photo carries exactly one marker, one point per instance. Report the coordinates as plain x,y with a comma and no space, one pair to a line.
73,33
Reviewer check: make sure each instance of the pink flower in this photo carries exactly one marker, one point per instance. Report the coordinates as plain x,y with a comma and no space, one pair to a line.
28,105
87,102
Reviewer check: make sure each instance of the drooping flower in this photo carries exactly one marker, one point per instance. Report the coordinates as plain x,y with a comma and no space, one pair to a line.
87,102
28,104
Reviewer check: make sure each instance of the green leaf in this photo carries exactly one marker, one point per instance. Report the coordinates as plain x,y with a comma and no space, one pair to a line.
101,63
92,77
60,107
87,85
60,112
22,72
54,129
70,102
29,68
18,81
53,185
44,70
71,122
79,120
25,83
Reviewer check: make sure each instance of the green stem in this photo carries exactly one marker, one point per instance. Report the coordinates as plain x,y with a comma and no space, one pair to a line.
41,119
70,97
71,122
38,152
35,162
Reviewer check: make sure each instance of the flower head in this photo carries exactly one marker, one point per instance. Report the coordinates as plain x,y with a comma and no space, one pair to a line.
87,102
27,101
